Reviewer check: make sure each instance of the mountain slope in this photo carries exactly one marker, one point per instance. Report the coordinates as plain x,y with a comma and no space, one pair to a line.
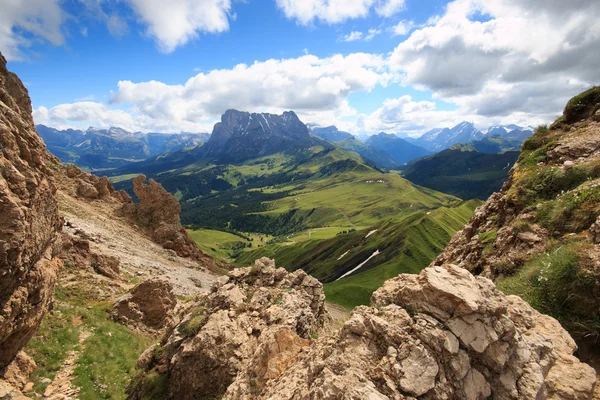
540,236
462,171
331,133
378,157
113,147
400,150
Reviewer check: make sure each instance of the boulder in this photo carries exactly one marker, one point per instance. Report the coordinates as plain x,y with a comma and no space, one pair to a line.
106,265
239,337
147,307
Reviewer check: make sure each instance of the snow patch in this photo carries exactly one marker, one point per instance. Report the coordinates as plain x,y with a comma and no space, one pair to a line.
377,252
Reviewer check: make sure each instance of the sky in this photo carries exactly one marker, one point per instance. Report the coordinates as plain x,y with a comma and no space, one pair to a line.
400,66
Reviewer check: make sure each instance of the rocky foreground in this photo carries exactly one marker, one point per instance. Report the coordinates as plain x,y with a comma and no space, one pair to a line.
443,334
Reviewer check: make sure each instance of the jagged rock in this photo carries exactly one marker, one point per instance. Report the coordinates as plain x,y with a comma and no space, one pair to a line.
106,265
462,340
73,171
18,372
443,334
29,220
9,392
87,190
147,307
158,213
241,335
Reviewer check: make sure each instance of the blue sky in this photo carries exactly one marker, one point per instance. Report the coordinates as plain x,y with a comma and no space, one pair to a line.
450,62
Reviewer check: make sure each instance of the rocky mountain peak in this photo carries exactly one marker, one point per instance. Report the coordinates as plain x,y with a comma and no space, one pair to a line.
241,135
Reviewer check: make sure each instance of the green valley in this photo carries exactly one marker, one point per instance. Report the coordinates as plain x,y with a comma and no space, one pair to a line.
319,208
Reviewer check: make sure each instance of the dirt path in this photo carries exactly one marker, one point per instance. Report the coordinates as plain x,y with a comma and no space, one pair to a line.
62,386
139,256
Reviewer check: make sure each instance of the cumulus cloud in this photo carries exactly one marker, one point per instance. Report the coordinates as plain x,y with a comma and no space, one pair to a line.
180,21
305,84
497,57
83,114
306,12
24,21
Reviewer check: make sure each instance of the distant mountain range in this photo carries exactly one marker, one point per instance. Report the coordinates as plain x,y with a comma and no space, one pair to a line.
443,138
331,133
401,150
114,147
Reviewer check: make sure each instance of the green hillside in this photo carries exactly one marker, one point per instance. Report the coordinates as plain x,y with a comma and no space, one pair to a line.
321,209
462,171
406,244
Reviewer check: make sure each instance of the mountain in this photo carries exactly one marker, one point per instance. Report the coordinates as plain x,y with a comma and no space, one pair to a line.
511,132
378,157
310,201
243,135
539,237
109,148
462,171
400,150
495,144
443,138
331,133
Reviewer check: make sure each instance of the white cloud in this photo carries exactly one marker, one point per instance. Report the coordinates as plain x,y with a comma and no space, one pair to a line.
304,84
335,11
83,114
372,33
403,28
519,41
352,36
316,88
390,8
25,21
176,23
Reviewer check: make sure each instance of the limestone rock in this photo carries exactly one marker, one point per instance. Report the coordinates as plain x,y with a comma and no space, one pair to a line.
18,372
87,190
158,214
29,220
242,335
442,334
106,265
147,307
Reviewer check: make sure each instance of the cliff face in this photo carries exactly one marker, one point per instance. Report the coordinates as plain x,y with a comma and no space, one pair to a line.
158,214
443,334
29,220
538,237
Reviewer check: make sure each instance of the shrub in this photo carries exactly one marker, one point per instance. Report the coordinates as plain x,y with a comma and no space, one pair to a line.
582,106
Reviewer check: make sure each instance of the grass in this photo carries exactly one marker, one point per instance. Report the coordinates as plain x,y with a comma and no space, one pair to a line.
106,359
560,284
407,245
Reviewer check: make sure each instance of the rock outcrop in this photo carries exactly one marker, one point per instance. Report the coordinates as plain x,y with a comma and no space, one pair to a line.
29,220
89,186
147,307
158,214
443,334
248,330
545,221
